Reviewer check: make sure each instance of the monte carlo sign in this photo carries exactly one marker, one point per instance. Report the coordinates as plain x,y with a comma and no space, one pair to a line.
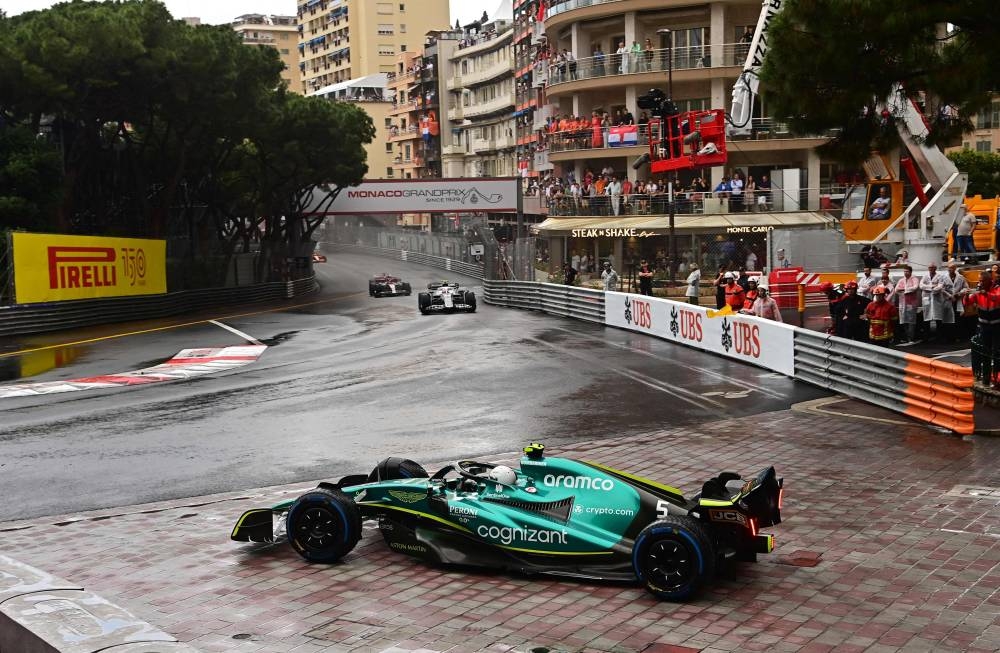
494,195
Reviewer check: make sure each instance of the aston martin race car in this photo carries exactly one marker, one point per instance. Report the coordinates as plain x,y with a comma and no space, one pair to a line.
551,516
446,297
386,284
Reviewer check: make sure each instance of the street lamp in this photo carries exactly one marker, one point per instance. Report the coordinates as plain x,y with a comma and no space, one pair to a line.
668,132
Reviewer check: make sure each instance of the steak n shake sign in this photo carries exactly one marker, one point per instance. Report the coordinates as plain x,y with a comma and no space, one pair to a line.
745,338
494,195
612,233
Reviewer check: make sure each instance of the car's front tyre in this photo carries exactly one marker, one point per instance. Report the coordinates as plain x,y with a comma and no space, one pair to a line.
424,302
323,525
390,469
674,557
470,300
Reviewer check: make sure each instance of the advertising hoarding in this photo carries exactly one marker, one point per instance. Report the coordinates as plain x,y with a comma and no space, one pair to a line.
494,195
745,338
55,267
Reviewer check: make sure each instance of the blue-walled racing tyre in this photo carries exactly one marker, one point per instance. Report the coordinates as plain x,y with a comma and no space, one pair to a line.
674,557
323,525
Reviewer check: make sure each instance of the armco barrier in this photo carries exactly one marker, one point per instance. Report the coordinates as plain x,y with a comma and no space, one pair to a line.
925,389
39,318
468,269
40,613
567,301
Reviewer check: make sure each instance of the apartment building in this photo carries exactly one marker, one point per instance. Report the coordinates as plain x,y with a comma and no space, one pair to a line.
575,59
418,131
985,137
481,103
278,32
340,40
371,93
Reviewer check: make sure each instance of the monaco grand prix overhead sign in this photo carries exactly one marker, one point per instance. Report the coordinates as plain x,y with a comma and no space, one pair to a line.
745,338
494,195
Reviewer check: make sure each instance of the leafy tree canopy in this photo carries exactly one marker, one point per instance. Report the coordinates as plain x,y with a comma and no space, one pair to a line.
160,128
983,169
831,63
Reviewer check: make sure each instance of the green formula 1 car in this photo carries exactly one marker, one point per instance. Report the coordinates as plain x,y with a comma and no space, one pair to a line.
553,516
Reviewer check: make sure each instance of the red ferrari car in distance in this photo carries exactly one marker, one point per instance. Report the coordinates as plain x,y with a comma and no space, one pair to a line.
387,284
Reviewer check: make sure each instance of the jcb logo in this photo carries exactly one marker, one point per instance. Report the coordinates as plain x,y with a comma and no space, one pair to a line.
728,516
643,314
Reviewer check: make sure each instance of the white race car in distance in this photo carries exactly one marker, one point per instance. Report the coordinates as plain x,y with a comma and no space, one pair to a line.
446,297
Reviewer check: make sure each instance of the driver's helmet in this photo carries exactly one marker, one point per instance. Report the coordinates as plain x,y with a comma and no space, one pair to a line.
503,474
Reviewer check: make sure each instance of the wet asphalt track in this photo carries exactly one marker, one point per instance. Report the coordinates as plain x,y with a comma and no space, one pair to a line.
348,379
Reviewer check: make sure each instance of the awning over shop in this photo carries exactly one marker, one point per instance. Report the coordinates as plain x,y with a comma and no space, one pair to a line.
610,226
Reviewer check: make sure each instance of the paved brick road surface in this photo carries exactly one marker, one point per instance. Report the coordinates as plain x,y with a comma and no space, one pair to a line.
888,545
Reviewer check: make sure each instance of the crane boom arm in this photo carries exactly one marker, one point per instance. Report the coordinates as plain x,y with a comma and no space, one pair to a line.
748,83
913,131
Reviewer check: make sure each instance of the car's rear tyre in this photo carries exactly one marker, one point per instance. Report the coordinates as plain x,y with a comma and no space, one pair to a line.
470,300
323,525
674,558
392,469
424,302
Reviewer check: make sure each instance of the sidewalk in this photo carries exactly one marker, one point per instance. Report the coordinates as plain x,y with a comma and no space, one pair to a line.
891,542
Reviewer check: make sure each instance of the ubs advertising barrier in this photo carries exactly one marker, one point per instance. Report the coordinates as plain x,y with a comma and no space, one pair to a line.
53,267
494,195
744,338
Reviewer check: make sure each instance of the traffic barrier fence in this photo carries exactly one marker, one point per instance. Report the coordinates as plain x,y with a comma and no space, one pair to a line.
925,389
468,269
54,316
555,299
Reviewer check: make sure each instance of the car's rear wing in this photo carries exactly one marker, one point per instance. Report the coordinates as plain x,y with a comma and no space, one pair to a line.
760,495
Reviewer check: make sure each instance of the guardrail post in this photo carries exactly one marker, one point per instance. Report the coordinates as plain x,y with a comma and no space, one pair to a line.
802,305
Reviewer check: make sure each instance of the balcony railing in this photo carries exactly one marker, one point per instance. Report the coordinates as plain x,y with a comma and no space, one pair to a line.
647,61
499,103
402,134
694,203
586,139
498,68
557,8
612,138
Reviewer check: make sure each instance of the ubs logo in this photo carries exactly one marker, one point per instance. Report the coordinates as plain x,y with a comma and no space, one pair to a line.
639,313
745,338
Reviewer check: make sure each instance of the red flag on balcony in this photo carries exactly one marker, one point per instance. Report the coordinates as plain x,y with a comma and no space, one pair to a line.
541,11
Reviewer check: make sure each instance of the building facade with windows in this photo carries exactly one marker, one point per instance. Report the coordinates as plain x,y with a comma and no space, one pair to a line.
340,40
278,32
372,94
481,109
417,129
581,70
985,137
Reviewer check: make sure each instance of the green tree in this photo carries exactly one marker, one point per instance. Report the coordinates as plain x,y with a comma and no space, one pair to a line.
831,63
296,167
167,130
983,169
29,179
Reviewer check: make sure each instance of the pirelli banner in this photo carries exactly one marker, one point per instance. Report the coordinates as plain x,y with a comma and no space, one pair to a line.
494,195
53,268
745,338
